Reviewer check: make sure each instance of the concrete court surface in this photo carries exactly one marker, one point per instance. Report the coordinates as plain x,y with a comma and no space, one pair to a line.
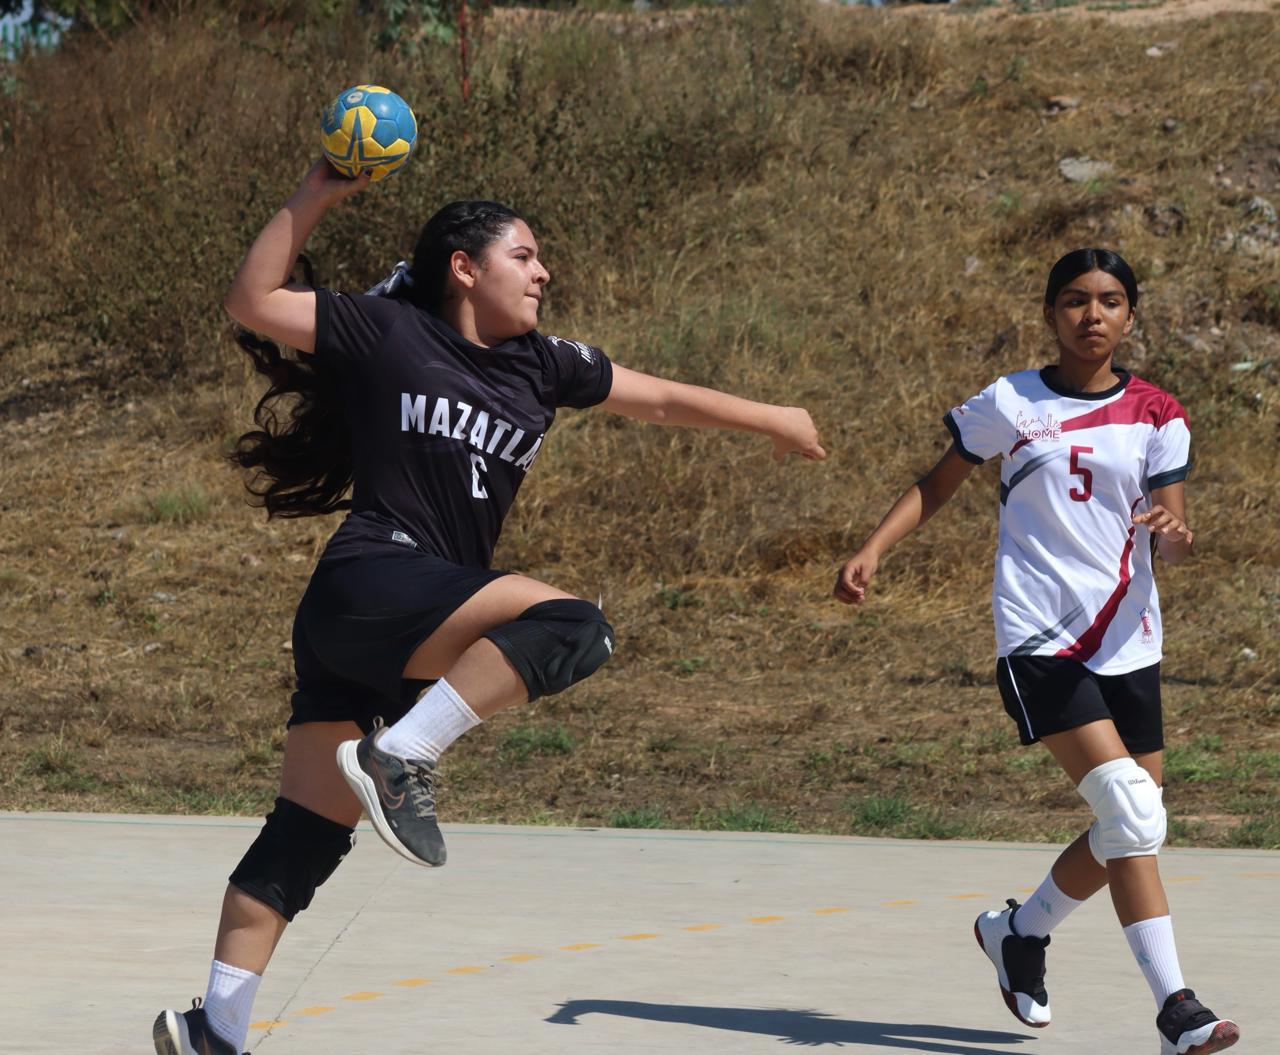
548,940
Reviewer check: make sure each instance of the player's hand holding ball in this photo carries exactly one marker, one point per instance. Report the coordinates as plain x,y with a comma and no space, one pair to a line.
325,183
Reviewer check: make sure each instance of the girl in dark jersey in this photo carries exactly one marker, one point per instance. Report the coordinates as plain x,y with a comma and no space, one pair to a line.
428,403
1093,464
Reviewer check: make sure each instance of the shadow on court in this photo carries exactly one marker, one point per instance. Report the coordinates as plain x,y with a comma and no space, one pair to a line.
805,1028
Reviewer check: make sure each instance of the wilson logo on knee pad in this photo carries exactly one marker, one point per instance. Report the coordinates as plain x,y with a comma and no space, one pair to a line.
1130,810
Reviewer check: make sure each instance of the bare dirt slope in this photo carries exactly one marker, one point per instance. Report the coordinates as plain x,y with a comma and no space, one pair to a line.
828,207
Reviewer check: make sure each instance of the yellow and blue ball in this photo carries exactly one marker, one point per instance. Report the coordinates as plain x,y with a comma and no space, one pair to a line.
368,128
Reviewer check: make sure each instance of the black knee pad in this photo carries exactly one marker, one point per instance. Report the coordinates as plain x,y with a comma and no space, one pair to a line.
555,644
295,852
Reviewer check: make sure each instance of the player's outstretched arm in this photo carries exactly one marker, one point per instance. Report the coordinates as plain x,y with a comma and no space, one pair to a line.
916,505
261,297
1167,522
662,402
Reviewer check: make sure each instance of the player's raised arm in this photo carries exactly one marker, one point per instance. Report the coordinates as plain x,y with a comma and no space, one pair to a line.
261,296
662,402
915,505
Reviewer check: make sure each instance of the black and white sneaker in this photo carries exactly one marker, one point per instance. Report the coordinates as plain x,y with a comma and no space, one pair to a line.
398,794
1187,1027
1019,965
188,1033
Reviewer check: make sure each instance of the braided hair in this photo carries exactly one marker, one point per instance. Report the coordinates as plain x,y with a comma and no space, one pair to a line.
461,226
300,460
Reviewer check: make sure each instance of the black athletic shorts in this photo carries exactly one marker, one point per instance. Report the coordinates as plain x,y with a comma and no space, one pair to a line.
1051,694
374,597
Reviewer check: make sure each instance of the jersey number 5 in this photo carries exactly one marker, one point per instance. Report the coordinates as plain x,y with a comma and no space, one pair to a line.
1086,475
477,488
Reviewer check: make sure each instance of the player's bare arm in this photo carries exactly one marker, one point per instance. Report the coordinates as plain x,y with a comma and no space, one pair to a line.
261,296
662,402
916,505
1167,522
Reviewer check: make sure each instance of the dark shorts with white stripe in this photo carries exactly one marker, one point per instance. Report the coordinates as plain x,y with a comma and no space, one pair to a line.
1051,694
374,597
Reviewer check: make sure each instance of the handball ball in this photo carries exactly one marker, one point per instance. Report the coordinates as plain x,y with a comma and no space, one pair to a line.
368,129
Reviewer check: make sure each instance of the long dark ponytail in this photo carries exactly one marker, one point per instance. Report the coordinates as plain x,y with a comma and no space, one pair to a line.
299,456
301,464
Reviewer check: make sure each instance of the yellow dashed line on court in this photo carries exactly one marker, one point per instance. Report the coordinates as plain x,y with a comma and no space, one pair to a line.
1183,879
407,983
1026,890
1259,875
831,910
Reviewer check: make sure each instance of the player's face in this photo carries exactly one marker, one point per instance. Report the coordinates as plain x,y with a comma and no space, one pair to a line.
1090,316
509,284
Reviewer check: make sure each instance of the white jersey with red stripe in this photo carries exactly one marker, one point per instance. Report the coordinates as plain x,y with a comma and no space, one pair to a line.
1073,573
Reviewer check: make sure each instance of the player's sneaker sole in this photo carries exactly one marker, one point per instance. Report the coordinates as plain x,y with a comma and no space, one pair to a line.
1219,1036
170,1034
366,791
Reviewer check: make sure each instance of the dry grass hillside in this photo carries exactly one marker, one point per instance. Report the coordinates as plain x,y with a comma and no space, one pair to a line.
846,209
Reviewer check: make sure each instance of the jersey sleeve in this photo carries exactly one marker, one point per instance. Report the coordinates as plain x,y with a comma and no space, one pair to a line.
1169,455
978,429
582,374
351,327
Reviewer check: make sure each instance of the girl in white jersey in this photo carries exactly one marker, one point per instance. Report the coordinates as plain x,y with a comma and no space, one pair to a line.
1093,461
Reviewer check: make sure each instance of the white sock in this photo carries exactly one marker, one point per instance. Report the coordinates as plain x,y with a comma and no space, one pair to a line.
1044,910
1152,943
228,1002
431,725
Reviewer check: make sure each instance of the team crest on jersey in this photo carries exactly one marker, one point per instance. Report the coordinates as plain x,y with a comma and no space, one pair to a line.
1148,631
1032,429
584,350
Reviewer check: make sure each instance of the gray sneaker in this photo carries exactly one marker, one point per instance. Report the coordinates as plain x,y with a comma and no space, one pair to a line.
398,794
188,1033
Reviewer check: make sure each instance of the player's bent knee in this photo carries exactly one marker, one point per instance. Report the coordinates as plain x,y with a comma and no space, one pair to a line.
1130,810
295,852
555,644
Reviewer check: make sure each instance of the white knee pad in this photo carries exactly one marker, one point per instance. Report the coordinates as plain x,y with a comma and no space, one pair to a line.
1130,811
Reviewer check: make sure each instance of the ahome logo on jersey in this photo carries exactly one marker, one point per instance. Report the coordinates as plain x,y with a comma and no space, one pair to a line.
1032,429
454,421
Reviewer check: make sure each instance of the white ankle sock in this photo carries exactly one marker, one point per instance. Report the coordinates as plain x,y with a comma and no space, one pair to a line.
433,723
1044,910
1152,943
228,1002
